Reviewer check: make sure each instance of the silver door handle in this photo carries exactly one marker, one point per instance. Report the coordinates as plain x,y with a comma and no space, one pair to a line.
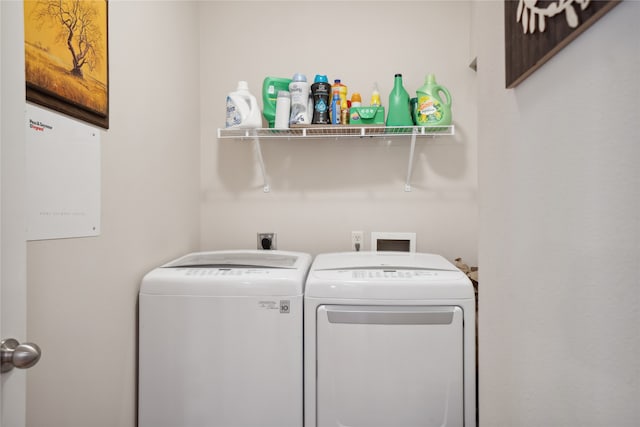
16,355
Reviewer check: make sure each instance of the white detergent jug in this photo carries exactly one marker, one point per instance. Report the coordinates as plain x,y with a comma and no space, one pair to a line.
242,109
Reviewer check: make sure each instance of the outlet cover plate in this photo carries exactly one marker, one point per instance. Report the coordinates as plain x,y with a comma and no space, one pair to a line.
270,236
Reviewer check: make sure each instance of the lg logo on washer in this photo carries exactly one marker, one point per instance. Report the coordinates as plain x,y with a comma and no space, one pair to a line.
285,306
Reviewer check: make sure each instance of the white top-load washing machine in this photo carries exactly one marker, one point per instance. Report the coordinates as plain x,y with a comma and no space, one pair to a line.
220,340
389,342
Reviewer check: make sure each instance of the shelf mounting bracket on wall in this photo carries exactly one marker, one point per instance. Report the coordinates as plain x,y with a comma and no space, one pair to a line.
265,186
407,184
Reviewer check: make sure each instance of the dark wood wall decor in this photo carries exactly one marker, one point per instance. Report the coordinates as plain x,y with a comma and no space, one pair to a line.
535,30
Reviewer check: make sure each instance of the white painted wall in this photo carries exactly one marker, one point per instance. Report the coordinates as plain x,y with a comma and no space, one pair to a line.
82,293
559,239
323,189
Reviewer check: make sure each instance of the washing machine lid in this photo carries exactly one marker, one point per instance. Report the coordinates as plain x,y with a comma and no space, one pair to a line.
230,273
386,276
236,259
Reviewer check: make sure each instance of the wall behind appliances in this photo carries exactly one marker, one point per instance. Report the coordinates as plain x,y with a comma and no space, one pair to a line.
82,293
560,229
323,189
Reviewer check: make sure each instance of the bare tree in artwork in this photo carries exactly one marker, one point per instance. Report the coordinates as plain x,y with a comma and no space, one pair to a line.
75,23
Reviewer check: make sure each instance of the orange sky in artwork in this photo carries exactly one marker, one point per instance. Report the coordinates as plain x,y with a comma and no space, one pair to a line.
45,36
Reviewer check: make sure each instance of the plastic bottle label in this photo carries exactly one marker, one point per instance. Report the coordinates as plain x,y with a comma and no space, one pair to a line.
321,106
335,112
298,115
242,111
429,110
234,118
299,102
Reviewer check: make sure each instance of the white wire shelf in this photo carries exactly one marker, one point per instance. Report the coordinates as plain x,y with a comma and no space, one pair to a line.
336,132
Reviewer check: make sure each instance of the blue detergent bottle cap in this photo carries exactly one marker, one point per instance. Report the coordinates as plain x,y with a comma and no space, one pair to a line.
321,78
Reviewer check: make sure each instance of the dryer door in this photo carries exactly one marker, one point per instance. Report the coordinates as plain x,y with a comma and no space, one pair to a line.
383,366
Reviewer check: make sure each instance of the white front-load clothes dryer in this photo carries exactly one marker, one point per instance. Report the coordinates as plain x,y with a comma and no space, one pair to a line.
389,342
220,340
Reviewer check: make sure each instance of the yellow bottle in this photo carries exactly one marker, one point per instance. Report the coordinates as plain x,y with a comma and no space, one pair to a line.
344,112
375,96
343,93
341,88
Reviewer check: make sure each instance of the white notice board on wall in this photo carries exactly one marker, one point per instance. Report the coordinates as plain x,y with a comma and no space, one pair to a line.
63,176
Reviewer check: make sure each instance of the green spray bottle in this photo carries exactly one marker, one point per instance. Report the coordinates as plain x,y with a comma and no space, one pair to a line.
432,109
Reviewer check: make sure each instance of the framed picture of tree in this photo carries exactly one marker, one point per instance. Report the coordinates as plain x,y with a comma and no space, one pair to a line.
67,58
535,30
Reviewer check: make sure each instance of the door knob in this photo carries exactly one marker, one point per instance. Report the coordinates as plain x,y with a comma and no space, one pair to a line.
16,355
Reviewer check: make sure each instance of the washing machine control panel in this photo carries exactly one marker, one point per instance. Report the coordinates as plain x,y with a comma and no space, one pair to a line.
228,272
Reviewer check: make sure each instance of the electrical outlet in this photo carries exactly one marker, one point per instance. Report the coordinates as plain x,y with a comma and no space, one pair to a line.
267,241
357,240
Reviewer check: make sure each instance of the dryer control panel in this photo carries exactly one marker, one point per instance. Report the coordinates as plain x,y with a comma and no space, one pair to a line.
393,274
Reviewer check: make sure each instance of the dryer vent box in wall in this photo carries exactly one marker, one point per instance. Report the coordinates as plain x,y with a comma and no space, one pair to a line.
394,242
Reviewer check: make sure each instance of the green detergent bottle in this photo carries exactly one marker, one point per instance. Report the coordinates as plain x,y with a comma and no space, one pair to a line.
270,88
432,109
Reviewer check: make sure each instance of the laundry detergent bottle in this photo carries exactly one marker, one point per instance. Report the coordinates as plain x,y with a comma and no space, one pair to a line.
242,109
320,91
433,106
270,88
299,89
